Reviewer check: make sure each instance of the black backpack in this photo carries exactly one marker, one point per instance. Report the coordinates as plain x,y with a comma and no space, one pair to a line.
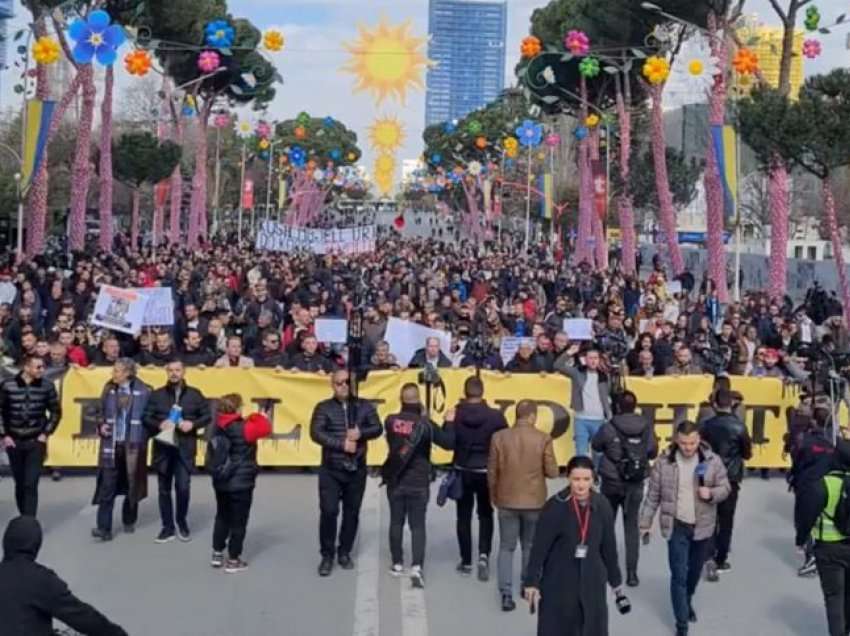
217,460
634,464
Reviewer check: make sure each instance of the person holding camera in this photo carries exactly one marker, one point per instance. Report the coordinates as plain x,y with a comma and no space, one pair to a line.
627,443
686,484
574,555
342,426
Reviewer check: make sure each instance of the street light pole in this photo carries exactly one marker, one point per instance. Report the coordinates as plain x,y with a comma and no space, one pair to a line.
241,192
528,203
269,182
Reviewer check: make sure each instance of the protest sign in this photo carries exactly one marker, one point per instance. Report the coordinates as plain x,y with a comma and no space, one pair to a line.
331,330
510,346
8,293
406,338
278,237
159,311
674,287
579,328
119,309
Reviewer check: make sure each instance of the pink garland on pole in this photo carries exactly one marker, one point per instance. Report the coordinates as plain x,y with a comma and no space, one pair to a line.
198,205
473,217
105,196
627,220
666,208
837,247
600,240
780,211
713,186
81,171
36,204
584,253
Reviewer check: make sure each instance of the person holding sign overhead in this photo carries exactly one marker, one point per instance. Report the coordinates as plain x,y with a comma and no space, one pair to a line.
174,415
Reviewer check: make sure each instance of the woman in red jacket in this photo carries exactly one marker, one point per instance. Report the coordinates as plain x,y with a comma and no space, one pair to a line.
232,463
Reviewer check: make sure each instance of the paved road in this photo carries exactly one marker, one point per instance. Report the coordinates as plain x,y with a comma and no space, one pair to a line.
170,590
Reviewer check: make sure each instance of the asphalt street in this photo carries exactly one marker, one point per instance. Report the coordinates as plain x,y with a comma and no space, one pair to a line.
170,590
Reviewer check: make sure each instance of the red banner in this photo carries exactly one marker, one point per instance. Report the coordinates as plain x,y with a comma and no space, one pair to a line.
248,194
161,193
600,189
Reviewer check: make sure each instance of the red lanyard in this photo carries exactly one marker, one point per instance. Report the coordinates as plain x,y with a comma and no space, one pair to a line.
583,524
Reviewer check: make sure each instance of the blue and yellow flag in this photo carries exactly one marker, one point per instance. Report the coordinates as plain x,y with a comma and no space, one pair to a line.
726,151
39,116
547,186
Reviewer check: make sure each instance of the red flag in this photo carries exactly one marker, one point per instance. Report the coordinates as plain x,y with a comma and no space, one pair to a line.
398,223
600,189
161,193
248,194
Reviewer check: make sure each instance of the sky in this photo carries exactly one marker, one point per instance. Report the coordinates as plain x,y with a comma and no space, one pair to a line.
315,31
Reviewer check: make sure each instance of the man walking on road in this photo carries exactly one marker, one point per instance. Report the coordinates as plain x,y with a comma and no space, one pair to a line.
728,437
342,426
29,414
686,484
627,444
521,458
473,425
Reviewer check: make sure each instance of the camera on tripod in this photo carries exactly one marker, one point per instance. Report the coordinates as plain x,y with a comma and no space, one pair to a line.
429,376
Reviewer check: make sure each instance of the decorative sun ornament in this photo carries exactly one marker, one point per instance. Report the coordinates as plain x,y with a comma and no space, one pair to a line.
45,50
138,63
96,38
592,120
746,62
589,67
384,163
656,70
387,61
530,47
273,40
812,49
386,134
577,42
209,61
244,128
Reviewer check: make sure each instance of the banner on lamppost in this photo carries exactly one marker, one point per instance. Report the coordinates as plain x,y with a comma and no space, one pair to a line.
600,189
248,194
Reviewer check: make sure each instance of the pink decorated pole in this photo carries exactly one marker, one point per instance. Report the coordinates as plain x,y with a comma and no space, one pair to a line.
600,242
158,220
713,185
780,211
198,205
134,220
36,203
666,209
837,247
473,216
105,197
626,210
81,171
584,253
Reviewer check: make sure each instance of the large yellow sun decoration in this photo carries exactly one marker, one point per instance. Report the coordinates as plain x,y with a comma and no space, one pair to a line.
386,134
387,61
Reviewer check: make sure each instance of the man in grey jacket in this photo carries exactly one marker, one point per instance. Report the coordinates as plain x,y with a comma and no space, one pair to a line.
590,399
686,484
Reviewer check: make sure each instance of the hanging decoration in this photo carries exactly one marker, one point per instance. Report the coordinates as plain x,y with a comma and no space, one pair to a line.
812,49
273,40
481,143
577,42
656,70
581,133
450,127
189,109
244,129
474,127
530,47
436,158
96,39
328,122
264,129
592,120
264,143
209,61
589,67
553,140
386,134
297,156
138,63
511,146
219,34
46,50
474,168
303,119
745,62
530,134
694,69
221,120
300,132
812,21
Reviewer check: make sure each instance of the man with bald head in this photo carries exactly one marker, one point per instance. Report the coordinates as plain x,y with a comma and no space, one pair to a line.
342,426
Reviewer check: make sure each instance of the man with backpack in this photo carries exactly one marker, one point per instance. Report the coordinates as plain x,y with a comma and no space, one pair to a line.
627,443
729,439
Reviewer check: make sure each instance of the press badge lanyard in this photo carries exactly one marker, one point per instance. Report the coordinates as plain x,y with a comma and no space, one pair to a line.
584,526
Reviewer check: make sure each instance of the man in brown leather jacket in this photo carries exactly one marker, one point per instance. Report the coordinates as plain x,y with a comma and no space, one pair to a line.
521,458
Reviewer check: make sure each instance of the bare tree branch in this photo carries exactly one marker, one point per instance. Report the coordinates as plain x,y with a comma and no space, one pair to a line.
779,10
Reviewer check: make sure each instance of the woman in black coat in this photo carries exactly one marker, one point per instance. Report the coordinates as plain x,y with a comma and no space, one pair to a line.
567,575
232,462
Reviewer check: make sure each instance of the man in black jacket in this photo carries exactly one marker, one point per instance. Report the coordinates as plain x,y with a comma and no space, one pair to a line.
162,353
270,355
430,355
29,414
31,595
183,410
627,443
195,354
310,359
472,426
728,437
342,426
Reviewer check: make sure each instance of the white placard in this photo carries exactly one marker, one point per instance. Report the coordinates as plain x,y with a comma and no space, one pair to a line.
406,338
674,287
806,333
331,330
278,237
159,311
510,346
119,309
8,293
578,328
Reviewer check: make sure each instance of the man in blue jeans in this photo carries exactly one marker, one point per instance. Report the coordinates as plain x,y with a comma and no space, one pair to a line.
591,398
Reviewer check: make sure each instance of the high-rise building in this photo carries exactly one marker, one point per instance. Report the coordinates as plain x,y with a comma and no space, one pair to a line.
468,46
766,42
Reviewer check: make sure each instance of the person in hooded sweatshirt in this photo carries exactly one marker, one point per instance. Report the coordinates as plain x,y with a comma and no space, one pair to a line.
31,595
471,427
234,482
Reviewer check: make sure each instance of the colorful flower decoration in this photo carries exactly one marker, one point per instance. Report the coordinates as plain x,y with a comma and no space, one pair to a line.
189,109
244,128
336,154
553,140
592,120
481,143
352,156
656,70
219,34
328,122
45,50
589,67
812,49
577,42
209,61
264,144
221,120
96,39
510,143
450,127
436,158
694,70
318,174
303,119
474,168
474,127
264,129
812,19
581,133
273,40
297,156
300,132
531,47
530,134
746,62
138,63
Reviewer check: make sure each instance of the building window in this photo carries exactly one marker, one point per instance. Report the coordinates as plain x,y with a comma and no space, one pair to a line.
798,251
813,253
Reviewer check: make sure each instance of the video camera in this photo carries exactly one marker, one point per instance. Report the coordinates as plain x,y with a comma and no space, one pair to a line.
429,376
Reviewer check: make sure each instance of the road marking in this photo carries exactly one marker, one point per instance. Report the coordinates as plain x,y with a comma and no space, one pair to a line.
414,614
367,611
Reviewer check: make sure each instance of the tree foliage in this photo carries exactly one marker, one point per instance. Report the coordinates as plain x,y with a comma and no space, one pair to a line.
140,158
325,140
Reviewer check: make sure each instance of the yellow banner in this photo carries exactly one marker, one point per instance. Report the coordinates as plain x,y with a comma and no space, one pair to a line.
666,400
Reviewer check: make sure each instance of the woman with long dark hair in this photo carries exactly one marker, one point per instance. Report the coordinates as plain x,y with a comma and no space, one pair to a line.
573,556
